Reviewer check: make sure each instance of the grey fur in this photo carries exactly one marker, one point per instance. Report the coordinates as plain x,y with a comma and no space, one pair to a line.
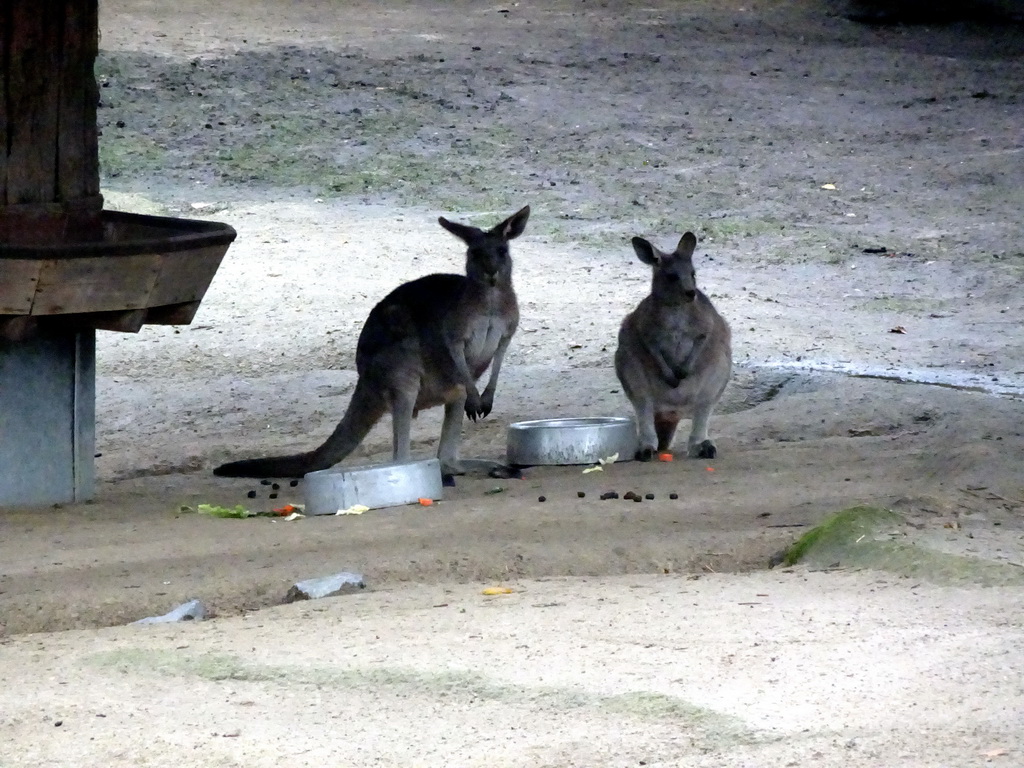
425,344
674,357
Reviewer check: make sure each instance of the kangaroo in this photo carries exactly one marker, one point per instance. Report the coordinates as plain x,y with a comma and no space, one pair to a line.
674,356
425,344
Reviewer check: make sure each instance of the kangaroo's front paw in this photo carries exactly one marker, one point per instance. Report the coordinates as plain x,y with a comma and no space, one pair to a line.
645,454
486,403
474,406
704,450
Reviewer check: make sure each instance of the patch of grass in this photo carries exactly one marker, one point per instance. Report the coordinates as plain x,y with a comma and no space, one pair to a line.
130,155
737,227
448,684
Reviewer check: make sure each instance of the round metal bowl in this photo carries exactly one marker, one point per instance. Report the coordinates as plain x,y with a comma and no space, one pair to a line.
373,486
571,441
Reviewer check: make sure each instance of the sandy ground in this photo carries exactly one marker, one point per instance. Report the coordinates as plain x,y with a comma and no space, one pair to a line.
661,671
331,136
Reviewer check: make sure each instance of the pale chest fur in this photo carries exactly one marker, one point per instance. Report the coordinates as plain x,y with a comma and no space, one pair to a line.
484,328
673,330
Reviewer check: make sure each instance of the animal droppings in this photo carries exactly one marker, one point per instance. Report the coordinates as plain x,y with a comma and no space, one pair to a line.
542,498
251,494
649,496
673,496
293,483
275,487
580,494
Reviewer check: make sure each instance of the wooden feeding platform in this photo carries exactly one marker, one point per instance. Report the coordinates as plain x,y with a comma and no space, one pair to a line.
53,298
67,267
145,269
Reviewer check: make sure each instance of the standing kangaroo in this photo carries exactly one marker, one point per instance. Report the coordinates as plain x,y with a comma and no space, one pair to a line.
425,344
674,356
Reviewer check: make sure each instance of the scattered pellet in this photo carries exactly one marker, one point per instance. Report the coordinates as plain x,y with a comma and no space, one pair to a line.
649,496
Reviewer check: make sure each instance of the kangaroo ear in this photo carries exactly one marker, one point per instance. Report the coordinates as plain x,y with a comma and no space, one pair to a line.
646,252
687,245
464,232
513,226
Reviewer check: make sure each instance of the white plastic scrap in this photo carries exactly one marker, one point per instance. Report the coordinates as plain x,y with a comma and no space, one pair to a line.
355,509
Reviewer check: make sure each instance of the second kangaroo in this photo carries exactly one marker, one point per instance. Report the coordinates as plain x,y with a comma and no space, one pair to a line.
674,357
425,344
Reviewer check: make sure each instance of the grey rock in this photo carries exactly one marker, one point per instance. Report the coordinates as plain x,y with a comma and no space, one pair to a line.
326,586
193,610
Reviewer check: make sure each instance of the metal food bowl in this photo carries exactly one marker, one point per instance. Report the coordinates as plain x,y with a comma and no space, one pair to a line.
375,486
571,441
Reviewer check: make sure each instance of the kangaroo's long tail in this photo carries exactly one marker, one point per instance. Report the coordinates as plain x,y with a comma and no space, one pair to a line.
365,409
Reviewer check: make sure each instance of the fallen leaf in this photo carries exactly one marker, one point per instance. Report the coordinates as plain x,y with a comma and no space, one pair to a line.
215,511
828,186
995,753
588,470
498,591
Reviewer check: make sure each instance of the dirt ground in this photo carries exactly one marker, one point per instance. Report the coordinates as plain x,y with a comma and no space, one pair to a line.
857,192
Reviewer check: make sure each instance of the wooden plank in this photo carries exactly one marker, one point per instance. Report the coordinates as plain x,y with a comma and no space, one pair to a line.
176,314
18,279
32,100
185,275
125,322
77,150
17,328
95,285
5,47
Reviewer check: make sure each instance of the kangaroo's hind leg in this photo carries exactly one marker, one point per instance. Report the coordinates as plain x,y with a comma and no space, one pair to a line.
645,422
700,446
448,449
403,404
665,423
451,436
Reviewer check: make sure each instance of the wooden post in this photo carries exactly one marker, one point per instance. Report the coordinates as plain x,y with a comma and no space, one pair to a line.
49,156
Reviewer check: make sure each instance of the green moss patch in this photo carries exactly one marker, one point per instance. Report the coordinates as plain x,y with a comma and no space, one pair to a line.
877,538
